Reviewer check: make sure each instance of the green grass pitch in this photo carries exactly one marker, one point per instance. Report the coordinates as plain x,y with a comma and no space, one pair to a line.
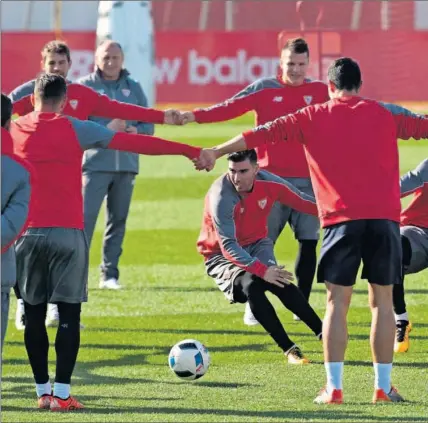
122,372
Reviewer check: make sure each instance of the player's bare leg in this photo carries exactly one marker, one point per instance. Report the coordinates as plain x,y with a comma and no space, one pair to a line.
335,339
382,341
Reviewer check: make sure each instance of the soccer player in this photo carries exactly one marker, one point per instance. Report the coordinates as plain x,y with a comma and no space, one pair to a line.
414,240
238,254
350,142
82,102
15,203
52,255
270,98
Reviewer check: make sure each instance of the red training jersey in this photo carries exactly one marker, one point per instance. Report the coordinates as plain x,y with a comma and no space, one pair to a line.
352,152
271,98
416,182
232,221
83,102
54,146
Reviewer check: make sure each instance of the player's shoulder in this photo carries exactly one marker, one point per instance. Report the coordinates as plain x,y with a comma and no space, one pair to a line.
222,191
264,83
87,79
396,109
23,90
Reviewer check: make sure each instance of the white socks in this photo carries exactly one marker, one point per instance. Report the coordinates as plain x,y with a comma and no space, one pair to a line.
383,376
61,390
43,389
403,316
334,375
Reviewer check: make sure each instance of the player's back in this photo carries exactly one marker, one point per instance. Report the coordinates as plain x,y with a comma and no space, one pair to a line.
352,152
48,141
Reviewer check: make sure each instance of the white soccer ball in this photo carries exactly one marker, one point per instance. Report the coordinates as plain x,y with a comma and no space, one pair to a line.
189,359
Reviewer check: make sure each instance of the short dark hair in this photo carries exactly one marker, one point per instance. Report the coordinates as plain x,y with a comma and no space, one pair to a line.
345,74
241,156
297,46
50,88
58,47
6,109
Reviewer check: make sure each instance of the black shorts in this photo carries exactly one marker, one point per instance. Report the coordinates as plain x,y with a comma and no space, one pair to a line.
225,273
375,242
52,265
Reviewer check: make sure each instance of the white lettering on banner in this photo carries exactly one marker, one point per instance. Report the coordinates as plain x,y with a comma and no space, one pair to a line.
82,63
225,70
166,70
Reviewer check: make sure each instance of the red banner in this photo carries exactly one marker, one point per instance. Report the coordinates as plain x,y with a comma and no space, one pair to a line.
206,67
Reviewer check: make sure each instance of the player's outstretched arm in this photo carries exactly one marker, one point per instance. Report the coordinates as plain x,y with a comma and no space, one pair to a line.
415,179
290,196
103,106
281,129
92,135
241,103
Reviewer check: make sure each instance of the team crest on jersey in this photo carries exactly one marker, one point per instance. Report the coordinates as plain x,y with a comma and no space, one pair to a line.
262,203
126,92
74,103
308,99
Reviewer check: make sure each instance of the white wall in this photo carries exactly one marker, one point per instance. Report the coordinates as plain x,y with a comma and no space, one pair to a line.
75,16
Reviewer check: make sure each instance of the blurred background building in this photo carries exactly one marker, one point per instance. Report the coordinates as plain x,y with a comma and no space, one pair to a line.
204,51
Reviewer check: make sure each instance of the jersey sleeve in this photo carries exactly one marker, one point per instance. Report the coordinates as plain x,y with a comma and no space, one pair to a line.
408,124
289,127
222,211
414,180
239,104
102,106
15,214
287,194
91,134
21,99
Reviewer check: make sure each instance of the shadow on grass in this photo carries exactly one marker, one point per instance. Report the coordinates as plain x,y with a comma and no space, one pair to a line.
320,415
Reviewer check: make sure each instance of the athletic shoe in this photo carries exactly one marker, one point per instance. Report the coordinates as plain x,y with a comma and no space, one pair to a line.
402,343
393,396
333,397
249,318
69,404
20,316
52,318
111,283
44,402
295,356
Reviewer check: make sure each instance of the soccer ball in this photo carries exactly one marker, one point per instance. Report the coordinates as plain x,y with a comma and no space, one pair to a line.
189,359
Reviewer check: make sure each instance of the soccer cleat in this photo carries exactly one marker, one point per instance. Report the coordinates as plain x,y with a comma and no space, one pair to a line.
393,396
52,319
44,402
402,343
249,318
333,397
20,316
111,283
295,356
296,318
69,404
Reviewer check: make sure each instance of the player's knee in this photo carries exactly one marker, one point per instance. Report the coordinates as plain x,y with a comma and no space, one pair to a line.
69,314
380,297
339,297
252,286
